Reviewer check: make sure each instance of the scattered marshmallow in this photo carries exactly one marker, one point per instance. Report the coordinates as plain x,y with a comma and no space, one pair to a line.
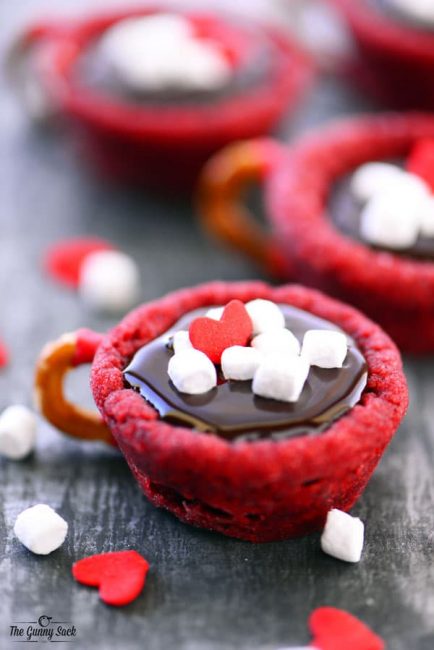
421,10
343,536
161,51
390,220
279,341
215,313
181,341
281,377
373,178
192,372
265,316
40,529
109,281
240,363
17,432
324,348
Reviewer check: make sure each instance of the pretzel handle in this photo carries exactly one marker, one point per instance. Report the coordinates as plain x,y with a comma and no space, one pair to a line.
56,360
220,205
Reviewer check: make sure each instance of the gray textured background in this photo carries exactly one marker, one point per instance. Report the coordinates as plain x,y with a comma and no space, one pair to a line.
204,592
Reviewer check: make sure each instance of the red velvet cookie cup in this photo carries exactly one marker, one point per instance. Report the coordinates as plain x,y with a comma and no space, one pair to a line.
395,290
161,146
262,490
396,59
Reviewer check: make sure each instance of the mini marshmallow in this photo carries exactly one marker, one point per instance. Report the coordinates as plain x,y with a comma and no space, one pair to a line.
324,348
343,536
282,341
181,341
371,178
240,363
390,220
157,52
192,372
17,432
265,316
40,529
281,377
215,313
109,281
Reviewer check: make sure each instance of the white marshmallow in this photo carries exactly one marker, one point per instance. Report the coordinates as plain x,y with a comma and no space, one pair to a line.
425,216
420,10
161,51
343,536
265,316
324,348
215,313
371,178
109,281
281,377
17,432
240,363
181,341
282,341
390,220
192,372
40,529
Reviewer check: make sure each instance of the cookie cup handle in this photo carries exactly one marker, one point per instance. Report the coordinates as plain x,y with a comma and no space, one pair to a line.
220,201
56,360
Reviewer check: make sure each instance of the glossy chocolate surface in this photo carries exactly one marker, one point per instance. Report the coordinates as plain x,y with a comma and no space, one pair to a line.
345,212
231,410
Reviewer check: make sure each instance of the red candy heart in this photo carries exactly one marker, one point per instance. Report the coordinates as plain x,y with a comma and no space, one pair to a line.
4,355
421,161
64,259
334,629
213,336
120,576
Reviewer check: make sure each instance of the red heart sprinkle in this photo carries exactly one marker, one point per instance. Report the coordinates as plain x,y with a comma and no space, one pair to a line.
213,336
4,355
421,161
334,629
120,576
64,259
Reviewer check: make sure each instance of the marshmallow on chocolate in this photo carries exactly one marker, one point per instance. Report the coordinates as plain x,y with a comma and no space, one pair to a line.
324,348
281,377
192,372
158,52
265,315
240,363
276,341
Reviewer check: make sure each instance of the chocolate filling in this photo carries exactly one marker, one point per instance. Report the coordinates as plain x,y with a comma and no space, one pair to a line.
94,71
231,410
344,209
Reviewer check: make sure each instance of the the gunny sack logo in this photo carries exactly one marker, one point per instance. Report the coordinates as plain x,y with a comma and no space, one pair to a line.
45,630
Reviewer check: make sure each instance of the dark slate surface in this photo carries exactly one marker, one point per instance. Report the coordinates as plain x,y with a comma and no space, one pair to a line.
204,592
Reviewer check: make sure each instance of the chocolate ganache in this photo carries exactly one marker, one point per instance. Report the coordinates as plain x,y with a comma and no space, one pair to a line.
345,210
231,410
